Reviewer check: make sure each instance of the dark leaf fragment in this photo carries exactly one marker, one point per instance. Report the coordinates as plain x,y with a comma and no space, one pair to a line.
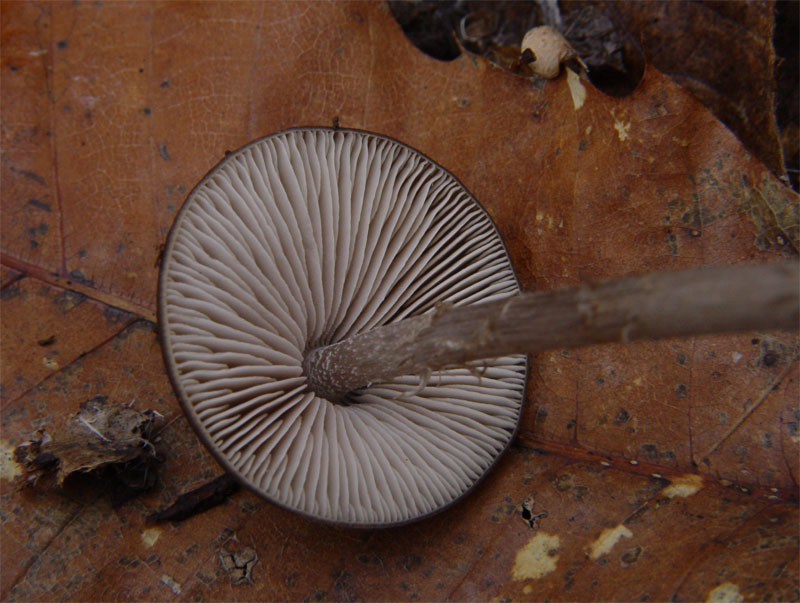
112,441
200,499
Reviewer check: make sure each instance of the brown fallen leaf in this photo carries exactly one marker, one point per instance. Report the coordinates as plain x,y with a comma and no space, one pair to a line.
112,112
739,59
723,52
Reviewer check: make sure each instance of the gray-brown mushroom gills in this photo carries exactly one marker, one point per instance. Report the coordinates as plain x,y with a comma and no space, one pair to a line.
304,238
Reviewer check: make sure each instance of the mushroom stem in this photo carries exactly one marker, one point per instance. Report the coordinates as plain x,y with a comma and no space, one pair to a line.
652,306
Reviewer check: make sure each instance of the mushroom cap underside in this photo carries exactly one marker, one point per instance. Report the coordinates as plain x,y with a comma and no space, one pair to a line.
304,238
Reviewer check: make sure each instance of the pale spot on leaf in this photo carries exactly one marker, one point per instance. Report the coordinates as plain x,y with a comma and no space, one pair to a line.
726,592
150,536
607,539
623,129
684,486
170,582
537,558
9,468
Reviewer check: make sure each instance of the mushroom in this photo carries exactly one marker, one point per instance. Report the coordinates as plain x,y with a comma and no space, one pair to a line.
544,50
302,239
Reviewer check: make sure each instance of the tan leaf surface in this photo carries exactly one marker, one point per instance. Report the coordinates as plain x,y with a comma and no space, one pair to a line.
666,469
713,48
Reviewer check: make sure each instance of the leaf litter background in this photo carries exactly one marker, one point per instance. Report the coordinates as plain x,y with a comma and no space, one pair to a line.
667,470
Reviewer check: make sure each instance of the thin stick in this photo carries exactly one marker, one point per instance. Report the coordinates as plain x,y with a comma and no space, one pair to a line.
657,305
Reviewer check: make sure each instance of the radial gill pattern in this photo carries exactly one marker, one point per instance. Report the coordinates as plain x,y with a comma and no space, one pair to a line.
301,239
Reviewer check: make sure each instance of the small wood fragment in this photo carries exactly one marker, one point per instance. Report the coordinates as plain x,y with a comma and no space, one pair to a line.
200,499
